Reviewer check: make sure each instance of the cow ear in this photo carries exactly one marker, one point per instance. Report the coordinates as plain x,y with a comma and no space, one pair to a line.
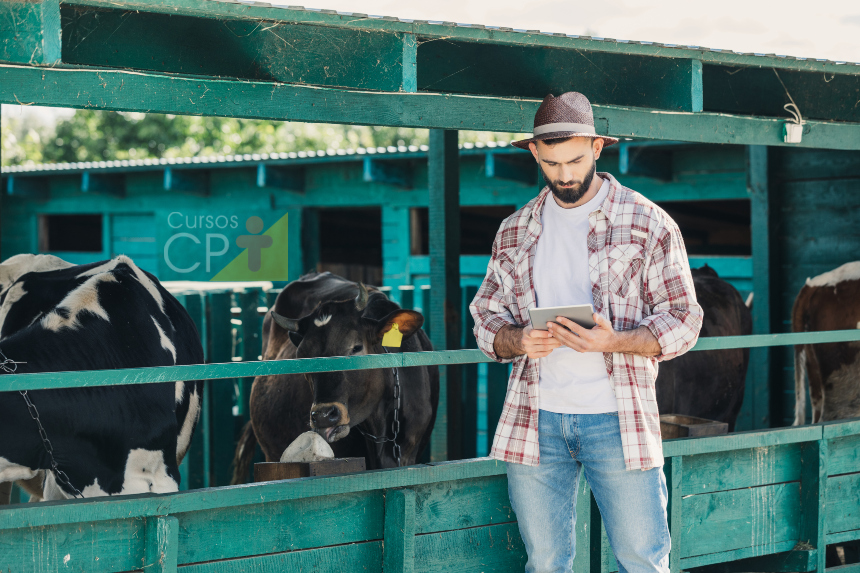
408,322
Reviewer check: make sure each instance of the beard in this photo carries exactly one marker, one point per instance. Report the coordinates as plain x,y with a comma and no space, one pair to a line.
576,190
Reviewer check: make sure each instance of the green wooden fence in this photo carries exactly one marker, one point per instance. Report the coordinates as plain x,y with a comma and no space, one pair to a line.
230,325
762,501
754,501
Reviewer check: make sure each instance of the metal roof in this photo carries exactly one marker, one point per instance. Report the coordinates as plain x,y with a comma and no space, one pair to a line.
290,63
391,152
680,47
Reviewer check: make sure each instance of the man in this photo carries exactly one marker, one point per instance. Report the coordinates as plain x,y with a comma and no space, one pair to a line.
585,399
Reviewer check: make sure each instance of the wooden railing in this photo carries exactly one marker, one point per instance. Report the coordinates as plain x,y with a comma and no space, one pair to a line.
230,325
763,501
754,501
160,374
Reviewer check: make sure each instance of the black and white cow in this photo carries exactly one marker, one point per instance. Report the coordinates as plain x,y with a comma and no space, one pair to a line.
108,440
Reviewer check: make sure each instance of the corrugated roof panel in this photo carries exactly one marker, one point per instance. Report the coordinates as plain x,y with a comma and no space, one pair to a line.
248,157
517,30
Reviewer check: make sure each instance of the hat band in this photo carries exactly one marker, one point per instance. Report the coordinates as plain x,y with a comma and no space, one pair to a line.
559,127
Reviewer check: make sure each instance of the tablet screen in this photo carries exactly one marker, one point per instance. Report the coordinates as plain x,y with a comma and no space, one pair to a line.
580,314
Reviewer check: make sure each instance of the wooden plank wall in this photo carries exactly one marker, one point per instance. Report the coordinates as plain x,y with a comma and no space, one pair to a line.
699,172
817,196
758,499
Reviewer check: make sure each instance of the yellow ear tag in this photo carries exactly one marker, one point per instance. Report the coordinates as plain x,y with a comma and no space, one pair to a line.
393,337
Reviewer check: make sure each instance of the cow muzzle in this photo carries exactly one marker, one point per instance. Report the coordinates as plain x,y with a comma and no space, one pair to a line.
330,420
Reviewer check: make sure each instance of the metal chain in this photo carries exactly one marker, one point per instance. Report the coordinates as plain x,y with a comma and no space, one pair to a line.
59,474
395,424
4,364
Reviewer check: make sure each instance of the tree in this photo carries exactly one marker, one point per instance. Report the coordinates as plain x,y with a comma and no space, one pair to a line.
100,136
20,141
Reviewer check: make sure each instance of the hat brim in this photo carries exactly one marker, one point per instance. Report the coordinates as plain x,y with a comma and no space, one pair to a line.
524,143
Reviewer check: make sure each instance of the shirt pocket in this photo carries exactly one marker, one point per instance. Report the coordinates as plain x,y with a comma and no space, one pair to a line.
625,269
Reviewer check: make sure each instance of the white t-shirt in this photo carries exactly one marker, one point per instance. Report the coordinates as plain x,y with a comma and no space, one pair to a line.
571,382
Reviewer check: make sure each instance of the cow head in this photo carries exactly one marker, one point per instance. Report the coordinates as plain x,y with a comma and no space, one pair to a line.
342,400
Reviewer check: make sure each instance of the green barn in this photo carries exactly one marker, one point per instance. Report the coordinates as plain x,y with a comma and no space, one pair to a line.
359,213
705,135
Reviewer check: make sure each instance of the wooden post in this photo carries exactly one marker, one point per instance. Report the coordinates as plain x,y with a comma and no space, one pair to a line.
674,470
410,64
296,264
497,388
589,531
595,536
220,392
469,381
161,544
583,526
760,358
107,235
252,327
2,188
444,222
310,239
398,552
813,498
33,29
195,467
697,91
395,247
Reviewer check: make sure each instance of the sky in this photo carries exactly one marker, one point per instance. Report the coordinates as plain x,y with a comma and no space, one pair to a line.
828,29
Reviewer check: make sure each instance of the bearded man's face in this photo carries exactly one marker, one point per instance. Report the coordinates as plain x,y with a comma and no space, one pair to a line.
567,167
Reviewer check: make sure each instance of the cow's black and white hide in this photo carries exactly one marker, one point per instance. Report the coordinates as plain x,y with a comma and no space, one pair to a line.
109,440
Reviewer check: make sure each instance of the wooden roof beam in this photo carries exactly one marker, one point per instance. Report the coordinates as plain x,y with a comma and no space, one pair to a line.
353,51
283,178
192,181
134,91
95,183
30,32
387,171
764,92
449,31
644,160
532,72
246,48
515,167
27,187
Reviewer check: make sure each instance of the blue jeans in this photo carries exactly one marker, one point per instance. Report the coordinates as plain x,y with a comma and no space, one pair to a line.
632,503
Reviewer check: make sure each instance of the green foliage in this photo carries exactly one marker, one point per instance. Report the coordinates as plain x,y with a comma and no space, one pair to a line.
99,136
20,142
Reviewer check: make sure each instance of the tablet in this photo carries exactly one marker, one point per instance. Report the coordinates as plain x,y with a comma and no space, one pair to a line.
581,314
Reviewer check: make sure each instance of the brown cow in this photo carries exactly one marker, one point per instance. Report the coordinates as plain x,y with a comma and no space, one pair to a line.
828,302
709,384
322,314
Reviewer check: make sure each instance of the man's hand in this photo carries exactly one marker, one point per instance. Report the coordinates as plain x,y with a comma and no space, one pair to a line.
514,341
538,343
603,338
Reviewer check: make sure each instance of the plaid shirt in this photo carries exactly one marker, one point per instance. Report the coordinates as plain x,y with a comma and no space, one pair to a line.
640,277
